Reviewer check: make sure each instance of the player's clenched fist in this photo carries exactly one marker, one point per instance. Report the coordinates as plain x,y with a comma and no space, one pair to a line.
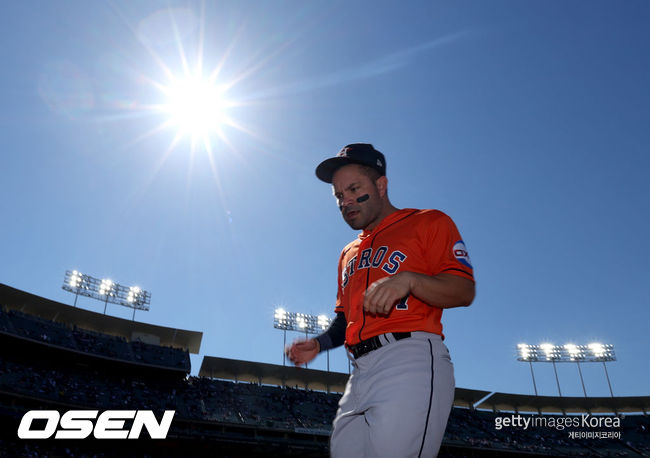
382,295
302,351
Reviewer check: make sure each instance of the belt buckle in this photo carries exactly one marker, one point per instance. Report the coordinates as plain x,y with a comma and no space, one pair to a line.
366,346
374,343
360,349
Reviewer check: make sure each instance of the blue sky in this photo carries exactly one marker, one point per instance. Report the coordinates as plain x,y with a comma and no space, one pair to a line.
526,122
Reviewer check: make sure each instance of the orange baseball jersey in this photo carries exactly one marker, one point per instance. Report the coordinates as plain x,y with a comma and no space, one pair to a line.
422,241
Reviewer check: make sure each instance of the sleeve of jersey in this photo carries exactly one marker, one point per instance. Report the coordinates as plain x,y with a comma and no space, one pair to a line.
339,306
448,252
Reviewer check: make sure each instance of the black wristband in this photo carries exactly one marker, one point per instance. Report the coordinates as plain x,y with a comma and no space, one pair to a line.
335,334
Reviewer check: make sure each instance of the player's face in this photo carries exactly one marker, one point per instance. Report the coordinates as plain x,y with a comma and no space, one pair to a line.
349,183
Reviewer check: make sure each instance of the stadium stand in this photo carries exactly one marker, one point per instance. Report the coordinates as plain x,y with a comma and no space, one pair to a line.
240,408
75,339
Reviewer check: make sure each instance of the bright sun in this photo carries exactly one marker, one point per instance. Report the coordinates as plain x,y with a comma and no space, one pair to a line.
195,100
195,107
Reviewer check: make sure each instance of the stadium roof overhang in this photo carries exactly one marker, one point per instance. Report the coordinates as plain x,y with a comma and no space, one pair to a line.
15,299
504,402
272,374
465,397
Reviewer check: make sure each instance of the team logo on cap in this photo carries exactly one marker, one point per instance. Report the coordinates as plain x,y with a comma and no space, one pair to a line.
460,253
343,152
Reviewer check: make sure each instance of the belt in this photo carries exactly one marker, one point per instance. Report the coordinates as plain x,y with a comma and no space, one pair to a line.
368,345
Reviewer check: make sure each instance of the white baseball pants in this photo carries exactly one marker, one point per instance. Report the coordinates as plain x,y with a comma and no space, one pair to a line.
397,400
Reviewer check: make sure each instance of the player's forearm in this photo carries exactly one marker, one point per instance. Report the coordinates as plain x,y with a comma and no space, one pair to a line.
335,334
443,290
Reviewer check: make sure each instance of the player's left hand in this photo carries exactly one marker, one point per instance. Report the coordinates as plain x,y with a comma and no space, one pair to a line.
383,294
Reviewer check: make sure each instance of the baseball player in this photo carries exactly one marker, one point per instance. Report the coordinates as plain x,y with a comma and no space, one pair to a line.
394,281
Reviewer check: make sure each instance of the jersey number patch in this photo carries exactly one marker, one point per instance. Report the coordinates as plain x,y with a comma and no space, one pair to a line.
402,304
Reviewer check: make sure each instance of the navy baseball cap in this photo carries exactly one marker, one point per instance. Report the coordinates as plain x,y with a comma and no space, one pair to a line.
354,153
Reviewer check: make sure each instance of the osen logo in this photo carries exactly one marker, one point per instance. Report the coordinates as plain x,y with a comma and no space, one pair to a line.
79,424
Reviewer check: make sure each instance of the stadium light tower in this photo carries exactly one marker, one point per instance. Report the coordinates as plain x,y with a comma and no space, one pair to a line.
552,355
302,322
281,321
528,353
75,281
106,290
568,353
577,354
603,353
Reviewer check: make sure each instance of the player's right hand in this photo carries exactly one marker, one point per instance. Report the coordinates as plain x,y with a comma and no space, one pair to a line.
302,351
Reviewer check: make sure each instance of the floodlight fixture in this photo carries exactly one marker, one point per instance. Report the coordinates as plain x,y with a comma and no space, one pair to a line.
595,352
575,353
549,351
75,279
323,322
76,282
106,290
527,352
602,352
567,353
302,322
596,348
135,294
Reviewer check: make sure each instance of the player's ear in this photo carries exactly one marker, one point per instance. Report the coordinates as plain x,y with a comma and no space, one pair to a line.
382,185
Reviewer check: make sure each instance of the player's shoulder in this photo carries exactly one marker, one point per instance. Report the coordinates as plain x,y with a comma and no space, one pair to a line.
349,246
428,221
429,215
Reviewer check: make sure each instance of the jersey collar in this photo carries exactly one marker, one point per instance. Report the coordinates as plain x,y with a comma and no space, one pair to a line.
390,219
